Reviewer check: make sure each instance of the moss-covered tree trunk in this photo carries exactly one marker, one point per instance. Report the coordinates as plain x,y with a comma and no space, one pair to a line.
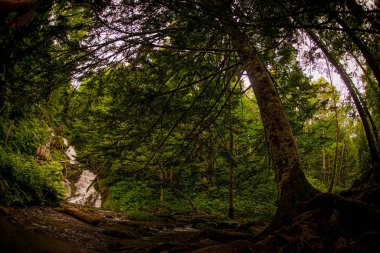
291,181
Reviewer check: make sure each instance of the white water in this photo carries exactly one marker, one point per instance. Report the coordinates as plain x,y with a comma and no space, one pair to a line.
84,194
71,153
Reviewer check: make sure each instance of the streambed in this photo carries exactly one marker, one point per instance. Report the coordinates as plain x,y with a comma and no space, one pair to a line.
42,229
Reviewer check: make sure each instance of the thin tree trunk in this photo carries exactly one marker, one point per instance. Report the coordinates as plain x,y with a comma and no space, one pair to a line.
171,175
332,180
350,86
331,186
323,166
230,157
9,132
231,209
185,196
341,165
328,168
365,107
161,185
343,172
211,163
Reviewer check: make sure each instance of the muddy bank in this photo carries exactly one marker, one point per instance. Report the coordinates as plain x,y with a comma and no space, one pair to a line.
42,229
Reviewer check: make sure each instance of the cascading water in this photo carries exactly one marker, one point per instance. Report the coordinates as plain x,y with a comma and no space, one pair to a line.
71,157
70,152
85,193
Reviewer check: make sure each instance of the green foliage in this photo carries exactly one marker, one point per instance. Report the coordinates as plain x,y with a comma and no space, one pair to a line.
27,135
126,196
26,181
213,204
58,155
138,215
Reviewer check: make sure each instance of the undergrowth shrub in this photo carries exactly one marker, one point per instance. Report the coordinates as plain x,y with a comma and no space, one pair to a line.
126,196
26,181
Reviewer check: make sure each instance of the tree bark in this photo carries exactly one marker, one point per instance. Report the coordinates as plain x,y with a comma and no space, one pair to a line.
291,181
332,180
323,166
231,209
340,171
363,102
161,185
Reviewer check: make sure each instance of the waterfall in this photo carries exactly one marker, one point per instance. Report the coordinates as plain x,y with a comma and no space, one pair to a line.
70,153
85,193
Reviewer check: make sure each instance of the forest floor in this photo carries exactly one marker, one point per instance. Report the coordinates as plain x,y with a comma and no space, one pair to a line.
349,222
43,229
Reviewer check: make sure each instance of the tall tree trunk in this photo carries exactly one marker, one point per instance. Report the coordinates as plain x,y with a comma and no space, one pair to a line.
9,132
231,209
291,181
323,166
373,147
366,110
231,153
340,171
161,185
370,58
211,173
332,180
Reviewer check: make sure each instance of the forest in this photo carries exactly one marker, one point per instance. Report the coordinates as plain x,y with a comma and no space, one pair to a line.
252,123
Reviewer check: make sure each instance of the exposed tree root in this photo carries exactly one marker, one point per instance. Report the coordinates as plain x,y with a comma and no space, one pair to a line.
327,223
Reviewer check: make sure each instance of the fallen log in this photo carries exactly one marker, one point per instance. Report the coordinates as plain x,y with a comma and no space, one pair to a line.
79,214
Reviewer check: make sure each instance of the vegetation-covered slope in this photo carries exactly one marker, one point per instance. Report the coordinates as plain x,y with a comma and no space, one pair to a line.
205,106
